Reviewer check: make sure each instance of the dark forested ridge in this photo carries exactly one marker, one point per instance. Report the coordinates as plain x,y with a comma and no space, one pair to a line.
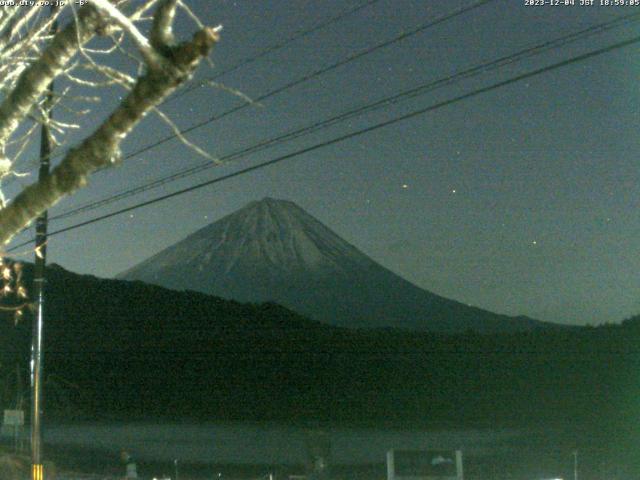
118,349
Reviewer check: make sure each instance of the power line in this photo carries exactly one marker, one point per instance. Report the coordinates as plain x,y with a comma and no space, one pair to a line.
424,88
317,73
263,53
348,136
273,48
307,77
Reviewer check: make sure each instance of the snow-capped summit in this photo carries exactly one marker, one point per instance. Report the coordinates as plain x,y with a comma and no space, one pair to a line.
272,250
269,236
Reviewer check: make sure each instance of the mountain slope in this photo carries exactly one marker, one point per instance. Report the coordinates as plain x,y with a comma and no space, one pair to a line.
272,250
130,350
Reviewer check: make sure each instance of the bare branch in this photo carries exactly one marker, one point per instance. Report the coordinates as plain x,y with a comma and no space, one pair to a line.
102,148
180,136
34,81
144,8
148,53
162,28
190,13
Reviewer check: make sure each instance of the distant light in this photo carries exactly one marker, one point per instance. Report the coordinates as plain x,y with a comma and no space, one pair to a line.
404,185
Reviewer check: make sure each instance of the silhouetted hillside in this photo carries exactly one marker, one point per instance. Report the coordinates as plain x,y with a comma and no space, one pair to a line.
138,351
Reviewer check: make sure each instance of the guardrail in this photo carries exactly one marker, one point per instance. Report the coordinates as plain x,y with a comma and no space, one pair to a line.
85,476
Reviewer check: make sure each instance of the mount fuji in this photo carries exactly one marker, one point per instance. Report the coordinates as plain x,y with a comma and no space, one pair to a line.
272,250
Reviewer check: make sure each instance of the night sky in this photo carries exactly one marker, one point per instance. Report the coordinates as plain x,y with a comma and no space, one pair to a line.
521,200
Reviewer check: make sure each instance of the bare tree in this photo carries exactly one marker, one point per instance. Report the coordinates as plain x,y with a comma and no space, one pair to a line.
78,54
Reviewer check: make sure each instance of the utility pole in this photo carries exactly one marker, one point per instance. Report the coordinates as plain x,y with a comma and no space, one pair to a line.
575,465
38,322
37,471
18,437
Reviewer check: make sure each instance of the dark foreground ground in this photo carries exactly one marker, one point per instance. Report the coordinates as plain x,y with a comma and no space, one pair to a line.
518,463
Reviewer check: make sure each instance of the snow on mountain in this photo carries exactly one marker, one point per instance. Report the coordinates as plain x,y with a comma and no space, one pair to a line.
272,250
